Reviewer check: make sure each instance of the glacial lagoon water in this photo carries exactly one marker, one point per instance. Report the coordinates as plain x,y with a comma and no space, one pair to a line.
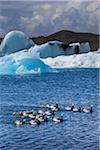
79,131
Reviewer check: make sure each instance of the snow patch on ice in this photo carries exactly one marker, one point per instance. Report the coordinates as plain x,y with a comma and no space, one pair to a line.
91,59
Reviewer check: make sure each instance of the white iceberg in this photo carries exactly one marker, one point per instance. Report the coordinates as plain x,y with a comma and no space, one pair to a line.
86,60
57,48
49,49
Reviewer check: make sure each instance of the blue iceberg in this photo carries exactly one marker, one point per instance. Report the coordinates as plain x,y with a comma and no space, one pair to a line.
19,56
15,41
23,62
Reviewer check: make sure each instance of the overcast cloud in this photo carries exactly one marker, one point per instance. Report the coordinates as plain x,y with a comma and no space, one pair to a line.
43,18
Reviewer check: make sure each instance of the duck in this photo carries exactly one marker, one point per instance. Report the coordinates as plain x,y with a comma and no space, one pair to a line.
88,110
27,113
69,108
76,109
49,112
39,116
32,116
34,122
58,119
18,122
41,111
24,113
54,107
17,113
43,119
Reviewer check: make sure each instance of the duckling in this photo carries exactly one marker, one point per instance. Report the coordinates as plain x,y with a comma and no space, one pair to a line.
88,110
58,119
18,122
34,122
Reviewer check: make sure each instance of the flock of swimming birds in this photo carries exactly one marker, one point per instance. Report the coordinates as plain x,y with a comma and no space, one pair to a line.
35,117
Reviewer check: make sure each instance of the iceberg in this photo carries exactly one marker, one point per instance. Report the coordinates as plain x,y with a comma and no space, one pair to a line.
23,62
19,57
57,48
49,49
86,60
15,41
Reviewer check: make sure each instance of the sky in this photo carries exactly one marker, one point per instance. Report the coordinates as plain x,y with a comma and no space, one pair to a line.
37,17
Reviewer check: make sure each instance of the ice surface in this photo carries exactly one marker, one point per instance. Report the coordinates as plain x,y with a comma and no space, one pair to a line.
91,59
15,41
54,49
49,49
21,55
74,44
23,62
84,47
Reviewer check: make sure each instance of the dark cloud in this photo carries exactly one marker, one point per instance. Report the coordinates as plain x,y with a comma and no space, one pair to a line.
42,18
